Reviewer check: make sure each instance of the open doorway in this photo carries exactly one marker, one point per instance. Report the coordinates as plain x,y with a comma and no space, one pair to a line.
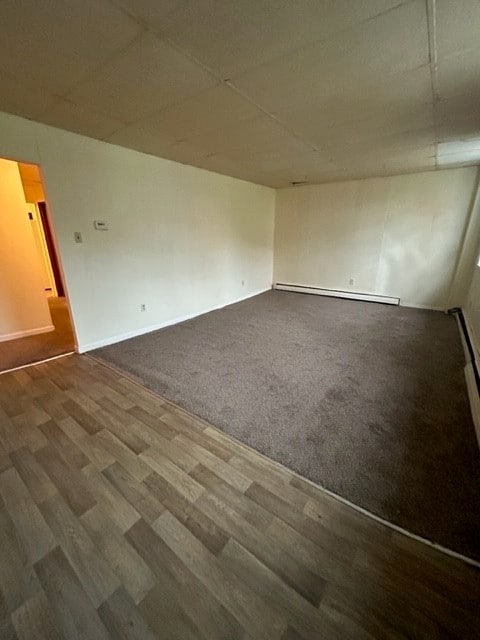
35,319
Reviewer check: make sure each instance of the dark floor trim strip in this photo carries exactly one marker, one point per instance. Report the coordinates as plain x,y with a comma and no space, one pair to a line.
466,334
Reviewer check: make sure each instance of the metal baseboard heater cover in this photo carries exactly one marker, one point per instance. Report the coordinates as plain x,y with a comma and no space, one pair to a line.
466,334
334,293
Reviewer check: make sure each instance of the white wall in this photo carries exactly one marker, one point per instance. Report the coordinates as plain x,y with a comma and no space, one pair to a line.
181,239
472,301
23,303
399,236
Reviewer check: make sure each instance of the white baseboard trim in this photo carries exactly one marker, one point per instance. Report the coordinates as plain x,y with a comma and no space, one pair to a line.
27,332
427,307
333,293
83,348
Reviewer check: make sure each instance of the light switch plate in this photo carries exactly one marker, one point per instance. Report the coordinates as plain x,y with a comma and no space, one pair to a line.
78,236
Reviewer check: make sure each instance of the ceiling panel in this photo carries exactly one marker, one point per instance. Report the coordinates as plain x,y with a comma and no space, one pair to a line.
390,44
296,164
231,37
214,108
327,128
350,167
457,118
272,91
148,11
244,138
53,44
231,167
457,26
410,89
22,99
147,76
143,139
459,75
66,115
457,112
380,145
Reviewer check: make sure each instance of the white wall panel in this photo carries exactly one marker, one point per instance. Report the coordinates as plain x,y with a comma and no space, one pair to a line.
181,240
397,236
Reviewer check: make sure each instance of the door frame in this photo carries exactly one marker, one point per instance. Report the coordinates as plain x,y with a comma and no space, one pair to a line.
54,240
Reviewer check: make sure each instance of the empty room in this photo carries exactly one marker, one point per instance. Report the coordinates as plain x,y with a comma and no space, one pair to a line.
239,319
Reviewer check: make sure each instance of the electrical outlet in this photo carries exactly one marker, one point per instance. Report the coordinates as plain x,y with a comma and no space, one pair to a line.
352,280
143,307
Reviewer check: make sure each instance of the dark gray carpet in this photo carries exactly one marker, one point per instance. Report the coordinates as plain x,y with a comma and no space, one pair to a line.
367,400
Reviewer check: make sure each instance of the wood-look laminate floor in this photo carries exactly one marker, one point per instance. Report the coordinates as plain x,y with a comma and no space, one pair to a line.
121,516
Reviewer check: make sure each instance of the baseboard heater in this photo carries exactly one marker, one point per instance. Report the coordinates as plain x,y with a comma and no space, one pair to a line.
466,334
334,293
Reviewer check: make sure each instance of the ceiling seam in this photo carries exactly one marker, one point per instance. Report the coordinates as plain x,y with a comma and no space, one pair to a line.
232,87
333,36
431,9
226,81
89,74
145,28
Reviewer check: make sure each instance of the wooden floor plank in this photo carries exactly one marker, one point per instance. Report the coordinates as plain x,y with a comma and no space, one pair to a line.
73,455
166,617
243,505
277,557
123,516
121,424
209,460
256,616
135,492
302,615
137,578
18,581
190,603
122,618
120,452
30,526
34,619
70,482
202,527
74,613
95,452
33,475
110,500
96,576
186,485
